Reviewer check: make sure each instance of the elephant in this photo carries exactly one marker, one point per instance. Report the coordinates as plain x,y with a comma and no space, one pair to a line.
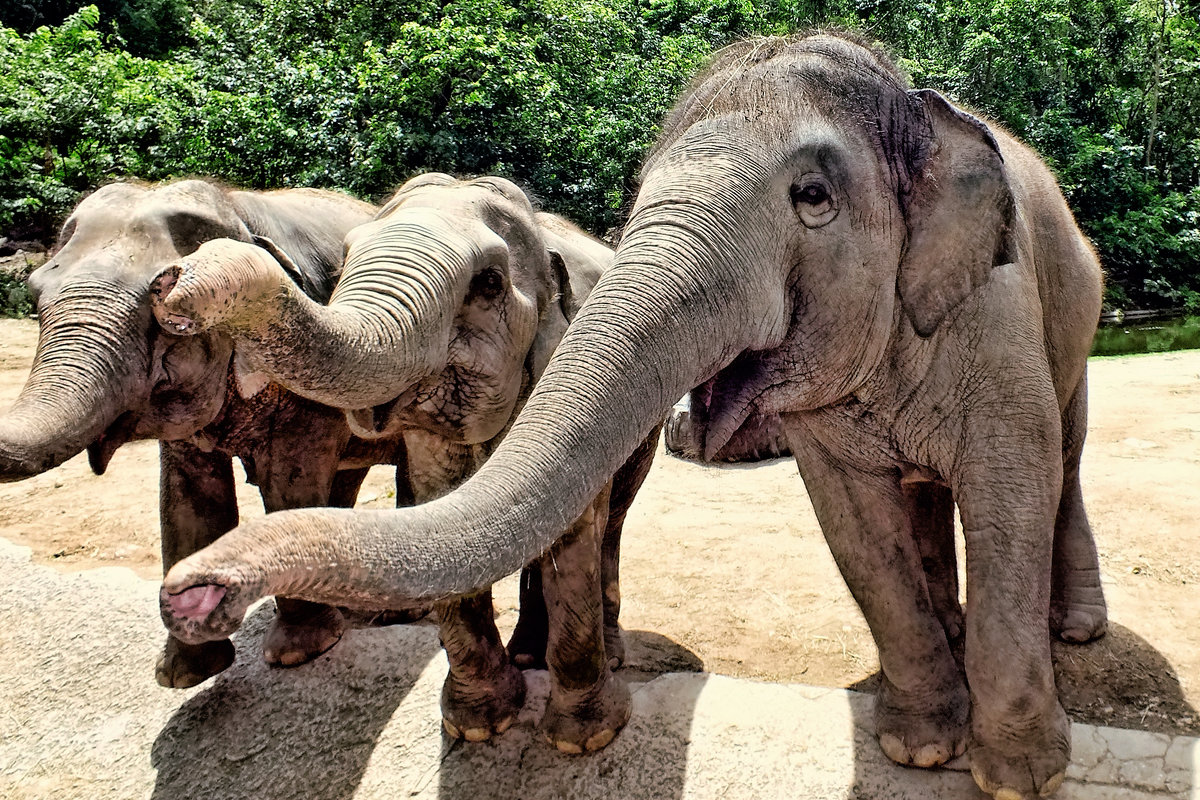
904,284
760,438
450,304
106,373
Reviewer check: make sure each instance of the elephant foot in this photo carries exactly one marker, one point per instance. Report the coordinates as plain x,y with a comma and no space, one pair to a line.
579,722
924,731
614,646
182,665
1079,620
527,646
480,709
1022,764
301,632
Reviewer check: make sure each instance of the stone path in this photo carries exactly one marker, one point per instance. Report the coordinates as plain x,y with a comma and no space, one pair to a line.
81,717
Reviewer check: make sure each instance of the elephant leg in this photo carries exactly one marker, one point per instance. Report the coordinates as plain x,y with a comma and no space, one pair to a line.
483,692
1008,486
931,513
197,503
527,645
625,486
298,470
588,704
923,708
1077,609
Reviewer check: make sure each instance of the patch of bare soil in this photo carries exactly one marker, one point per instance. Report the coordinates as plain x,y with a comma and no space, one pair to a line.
724,568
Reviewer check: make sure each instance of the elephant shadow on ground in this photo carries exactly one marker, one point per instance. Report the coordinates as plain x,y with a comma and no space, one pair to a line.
306,732
648,759
1117,681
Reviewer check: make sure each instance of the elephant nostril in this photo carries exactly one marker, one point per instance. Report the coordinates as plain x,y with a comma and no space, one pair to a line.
196,602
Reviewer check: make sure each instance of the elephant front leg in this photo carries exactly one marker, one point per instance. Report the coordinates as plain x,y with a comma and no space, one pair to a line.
299,470
923,707
1008,488
588,705
1078,612
197,503
483,692
625,486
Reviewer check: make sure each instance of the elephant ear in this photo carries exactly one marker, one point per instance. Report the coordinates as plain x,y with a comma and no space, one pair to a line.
555,318
289,265
958,211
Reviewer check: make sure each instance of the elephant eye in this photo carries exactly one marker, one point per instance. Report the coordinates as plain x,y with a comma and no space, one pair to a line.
488,284
812,198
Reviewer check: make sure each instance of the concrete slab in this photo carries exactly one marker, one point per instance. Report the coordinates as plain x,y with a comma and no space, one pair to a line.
81,717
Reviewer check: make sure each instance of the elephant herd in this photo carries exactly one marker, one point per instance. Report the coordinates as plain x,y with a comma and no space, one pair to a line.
823,260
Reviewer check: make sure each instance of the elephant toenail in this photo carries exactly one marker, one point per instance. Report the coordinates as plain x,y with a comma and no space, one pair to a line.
930,756
1051,786
477,734
454,732
893,748
599,740
570,748
1007,794
504,724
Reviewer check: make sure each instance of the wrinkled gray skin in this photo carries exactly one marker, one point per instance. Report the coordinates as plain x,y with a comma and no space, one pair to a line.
448,308
908,289
759,438
105,373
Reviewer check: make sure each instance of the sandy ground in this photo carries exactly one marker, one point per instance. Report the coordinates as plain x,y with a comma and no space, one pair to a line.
724,568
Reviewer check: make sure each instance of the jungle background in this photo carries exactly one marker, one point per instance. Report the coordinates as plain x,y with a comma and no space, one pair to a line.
564,96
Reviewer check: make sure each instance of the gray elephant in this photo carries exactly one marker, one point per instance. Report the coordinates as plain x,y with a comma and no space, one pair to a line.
901,282
449,306
106,373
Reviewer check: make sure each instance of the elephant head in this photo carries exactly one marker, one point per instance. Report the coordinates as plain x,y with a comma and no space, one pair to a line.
448,307
105,372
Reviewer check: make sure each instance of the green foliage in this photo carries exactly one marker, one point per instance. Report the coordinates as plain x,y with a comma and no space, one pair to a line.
564,96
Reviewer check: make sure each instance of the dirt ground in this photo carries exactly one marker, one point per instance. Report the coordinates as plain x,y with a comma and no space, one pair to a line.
724,568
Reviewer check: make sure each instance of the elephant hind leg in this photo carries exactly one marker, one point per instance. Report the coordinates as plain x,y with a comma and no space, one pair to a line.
931,511
1078,612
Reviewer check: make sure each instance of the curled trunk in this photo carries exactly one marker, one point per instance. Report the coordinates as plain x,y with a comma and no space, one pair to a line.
355,353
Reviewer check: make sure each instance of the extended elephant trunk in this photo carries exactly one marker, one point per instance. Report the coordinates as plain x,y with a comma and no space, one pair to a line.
659,322
355,353
79,384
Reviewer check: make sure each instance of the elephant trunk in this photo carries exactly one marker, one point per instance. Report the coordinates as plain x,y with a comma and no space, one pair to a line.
82,378
384,329
668,315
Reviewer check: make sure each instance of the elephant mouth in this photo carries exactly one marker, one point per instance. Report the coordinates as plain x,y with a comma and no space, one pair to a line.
721,405
100,452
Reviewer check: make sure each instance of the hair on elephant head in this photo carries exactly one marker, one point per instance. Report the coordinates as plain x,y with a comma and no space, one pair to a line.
904,285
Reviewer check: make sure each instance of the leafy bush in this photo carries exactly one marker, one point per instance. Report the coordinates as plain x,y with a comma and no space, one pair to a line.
564,96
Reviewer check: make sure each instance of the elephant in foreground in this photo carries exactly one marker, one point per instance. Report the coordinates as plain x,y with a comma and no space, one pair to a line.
106,373
905,285
449,306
